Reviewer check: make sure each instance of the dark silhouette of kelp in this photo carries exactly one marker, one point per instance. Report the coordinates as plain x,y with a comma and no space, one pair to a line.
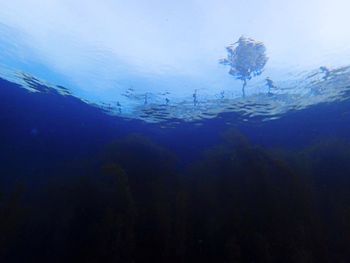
251,204
238,203
12,216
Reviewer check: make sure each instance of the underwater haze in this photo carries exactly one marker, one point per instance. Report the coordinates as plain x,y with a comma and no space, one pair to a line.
174,131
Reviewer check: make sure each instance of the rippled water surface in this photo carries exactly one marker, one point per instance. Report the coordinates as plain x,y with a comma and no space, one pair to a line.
160,62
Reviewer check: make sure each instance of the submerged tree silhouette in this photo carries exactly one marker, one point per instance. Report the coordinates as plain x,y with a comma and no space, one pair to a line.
247,58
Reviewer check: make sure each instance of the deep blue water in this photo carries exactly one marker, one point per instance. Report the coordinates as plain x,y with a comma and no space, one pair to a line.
49,140
174,131
64,128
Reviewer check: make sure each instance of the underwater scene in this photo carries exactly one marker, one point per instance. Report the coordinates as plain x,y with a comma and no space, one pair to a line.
175,131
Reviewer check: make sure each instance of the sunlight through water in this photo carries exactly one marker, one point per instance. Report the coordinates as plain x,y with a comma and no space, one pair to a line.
161,61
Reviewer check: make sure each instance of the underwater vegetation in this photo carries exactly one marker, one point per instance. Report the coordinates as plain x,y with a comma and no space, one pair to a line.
133,144
12,220
237,203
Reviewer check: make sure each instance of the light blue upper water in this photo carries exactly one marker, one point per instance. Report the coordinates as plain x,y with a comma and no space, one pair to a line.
159,61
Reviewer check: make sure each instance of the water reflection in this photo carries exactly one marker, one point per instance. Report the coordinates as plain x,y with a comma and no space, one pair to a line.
323,85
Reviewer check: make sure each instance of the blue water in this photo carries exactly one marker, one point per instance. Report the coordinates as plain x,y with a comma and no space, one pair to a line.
213,131
49,139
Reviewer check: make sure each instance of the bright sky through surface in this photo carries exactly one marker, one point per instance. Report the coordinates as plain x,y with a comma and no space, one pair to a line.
101,48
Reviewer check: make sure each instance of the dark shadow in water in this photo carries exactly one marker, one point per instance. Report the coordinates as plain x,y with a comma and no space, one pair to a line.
80,186
239,203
